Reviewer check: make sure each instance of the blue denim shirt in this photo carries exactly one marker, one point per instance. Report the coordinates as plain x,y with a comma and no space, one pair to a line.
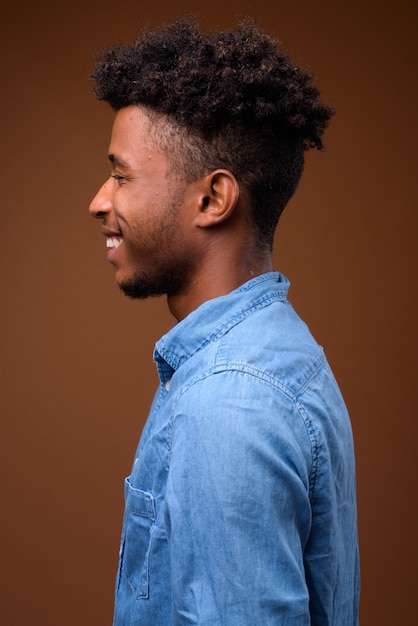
240,508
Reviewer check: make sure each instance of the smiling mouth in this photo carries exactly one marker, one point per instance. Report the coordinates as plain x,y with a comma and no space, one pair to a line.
113,242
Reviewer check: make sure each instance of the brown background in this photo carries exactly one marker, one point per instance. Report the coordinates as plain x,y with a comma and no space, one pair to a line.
77,375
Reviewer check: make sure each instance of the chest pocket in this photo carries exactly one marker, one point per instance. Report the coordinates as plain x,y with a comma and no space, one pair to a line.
136,540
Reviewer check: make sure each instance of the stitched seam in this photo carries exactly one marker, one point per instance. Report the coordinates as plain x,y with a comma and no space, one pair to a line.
278,295
268,379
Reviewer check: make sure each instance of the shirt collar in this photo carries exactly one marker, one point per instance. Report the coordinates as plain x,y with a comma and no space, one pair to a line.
213,319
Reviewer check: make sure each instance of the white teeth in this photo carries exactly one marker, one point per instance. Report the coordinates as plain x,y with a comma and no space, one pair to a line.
113,242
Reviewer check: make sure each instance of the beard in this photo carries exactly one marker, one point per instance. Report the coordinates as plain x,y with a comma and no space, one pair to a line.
168,274
166,261
142,286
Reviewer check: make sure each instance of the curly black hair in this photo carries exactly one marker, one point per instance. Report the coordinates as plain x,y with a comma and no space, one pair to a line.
229,100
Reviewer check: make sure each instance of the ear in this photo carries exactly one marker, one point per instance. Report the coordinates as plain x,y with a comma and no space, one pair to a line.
218,197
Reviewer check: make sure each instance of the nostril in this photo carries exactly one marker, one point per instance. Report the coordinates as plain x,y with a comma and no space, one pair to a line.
99,215
96,211
98,208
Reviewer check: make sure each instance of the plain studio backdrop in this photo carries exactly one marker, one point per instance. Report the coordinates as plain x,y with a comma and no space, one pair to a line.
77,374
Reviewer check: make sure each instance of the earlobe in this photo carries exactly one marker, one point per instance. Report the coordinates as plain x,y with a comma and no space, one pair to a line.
219,198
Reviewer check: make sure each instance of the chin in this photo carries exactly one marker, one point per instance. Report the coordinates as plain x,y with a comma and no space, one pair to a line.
139,288
143,286
133,292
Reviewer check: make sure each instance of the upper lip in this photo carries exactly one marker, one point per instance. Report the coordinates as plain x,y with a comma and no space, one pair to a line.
108,232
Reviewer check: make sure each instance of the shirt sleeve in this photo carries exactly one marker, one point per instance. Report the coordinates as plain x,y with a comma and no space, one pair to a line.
237,504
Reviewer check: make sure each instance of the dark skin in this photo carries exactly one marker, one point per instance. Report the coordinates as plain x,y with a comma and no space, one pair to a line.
160,224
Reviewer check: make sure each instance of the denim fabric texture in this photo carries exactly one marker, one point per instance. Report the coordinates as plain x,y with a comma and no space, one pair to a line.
241,505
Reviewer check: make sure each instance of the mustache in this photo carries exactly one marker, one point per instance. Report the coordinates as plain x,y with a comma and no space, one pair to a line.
112,227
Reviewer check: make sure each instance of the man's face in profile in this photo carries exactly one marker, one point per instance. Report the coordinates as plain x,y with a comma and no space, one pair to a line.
142,205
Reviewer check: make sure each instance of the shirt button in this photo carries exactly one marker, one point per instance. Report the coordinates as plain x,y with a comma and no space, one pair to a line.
167,385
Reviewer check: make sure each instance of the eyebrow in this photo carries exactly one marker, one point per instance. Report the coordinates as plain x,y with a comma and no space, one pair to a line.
115,160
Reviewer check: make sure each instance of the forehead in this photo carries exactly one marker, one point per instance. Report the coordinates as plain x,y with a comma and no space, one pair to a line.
143,139
131,135
131,127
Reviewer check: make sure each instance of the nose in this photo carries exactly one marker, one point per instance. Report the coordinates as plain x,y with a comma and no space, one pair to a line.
101,204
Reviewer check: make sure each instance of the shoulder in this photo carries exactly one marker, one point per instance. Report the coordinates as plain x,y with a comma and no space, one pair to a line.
271,344
237,416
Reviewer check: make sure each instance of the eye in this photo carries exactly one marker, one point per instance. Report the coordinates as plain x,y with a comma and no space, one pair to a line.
119,179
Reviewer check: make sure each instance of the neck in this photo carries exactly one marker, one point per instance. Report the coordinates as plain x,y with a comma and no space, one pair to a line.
217,278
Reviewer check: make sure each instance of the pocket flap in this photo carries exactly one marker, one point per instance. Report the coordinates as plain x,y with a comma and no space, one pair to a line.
139,502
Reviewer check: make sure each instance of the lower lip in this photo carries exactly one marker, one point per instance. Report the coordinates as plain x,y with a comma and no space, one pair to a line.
111,253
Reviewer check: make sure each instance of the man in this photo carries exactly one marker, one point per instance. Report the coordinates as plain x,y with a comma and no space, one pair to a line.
240,508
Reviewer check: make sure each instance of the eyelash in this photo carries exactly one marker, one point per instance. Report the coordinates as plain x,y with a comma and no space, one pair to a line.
119,179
